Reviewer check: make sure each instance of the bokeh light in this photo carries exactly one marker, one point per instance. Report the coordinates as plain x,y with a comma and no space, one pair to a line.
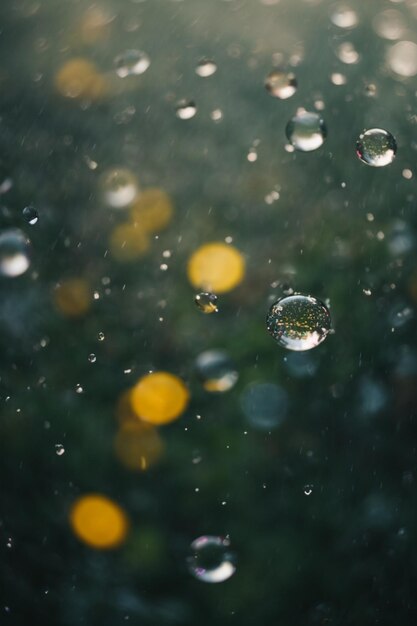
73,297
128,242
153,210
216,267
79,78
159,398
98,521
138,445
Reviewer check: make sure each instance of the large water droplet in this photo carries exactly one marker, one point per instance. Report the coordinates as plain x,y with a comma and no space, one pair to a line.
298,322
131,63
206,68
376,147
306,131
206,302
211,560
186,109
119,187
30,214
14,252
216,370
280,84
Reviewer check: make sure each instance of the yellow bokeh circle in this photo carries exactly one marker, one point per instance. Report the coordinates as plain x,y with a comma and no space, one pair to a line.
159,398
153,210
79,78
216,267
98,521
128,242
138,445
73,297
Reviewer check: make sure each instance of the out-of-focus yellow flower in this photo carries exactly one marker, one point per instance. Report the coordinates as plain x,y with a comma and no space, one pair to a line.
216,267
159,398
79,78
138,445
73,297
153,210
128,242
98,521
94,25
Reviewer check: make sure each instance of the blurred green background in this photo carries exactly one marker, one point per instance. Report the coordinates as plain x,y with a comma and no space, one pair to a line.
333,227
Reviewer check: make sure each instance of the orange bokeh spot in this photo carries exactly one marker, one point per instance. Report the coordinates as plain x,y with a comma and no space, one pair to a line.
79,78
73,297
98,521
153,210
138,445
128,242
159,398
216,267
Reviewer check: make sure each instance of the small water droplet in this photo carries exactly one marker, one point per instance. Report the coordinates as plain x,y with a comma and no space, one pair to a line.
101,336
9,543
14,253
216,370
344,16
79,388
186,109
206,302
306,131
131,63
211,559
376,147
298,322
308,490
92,357
206,68
119,187
281,84
59,449
31,215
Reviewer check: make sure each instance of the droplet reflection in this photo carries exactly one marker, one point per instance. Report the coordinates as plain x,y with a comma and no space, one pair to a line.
211,560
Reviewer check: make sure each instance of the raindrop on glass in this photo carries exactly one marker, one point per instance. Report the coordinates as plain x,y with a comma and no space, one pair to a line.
186,109
306,131
280,84
376,147
59,449
298,322
206,302
92,357
131,63
206,68
216,370
308,490
30,215
119,187
211,560
344,16
101,336
14,252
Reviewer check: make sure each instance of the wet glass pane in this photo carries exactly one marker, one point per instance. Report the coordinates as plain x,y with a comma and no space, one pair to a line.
208,277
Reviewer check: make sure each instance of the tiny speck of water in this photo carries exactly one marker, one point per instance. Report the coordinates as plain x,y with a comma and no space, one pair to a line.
298,322
308,490
101,336
30,215
131,63
92,357
79,389
59,449
206,68
306,131
186,109
376,147
206,302
211,560
281,84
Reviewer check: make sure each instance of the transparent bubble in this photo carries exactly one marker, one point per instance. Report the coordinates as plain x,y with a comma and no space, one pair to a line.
59,449
306,131
265,405
186,109
119,187
216,370
211,560
389,24
344,16
376,147
280,84
30,214
308,490
131,63
206,302
206,68
92,357
14,252
402,58
298,322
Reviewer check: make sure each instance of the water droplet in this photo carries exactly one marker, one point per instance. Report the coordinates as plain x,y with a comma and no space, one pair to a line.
376,147
92,357
402,58
216,370
211,560
101,336
9,543
347,54
59,449
119,187
281,84
308,489
389,24
206,68
298,322
14,252
131,63
344,17
206,302
306,131
186,109
79,388
31,215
